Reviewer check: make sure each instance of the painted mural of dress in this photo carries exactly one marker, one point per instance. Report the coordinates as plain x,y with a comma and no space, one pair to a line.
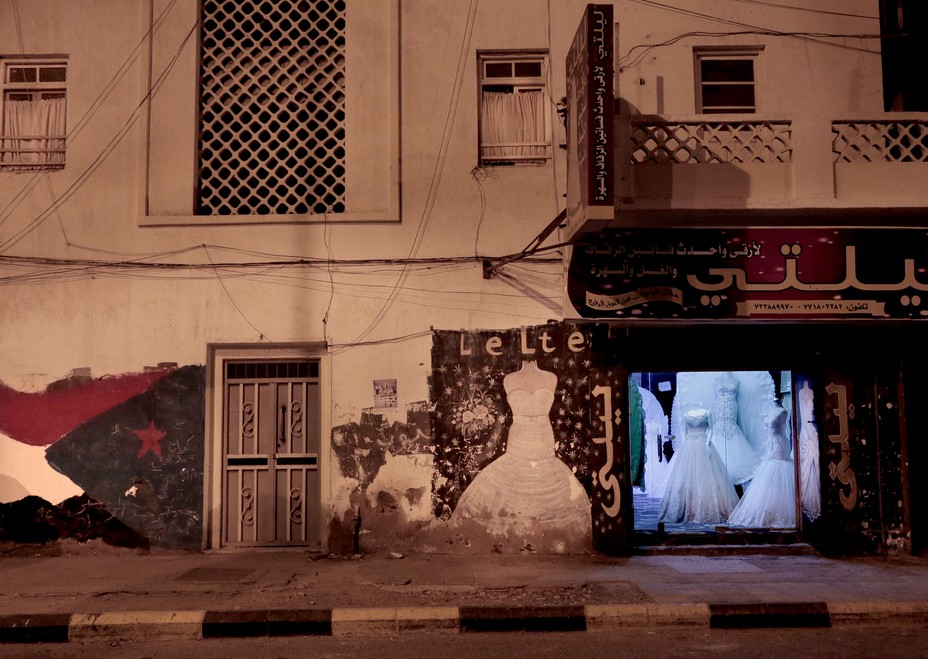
528,492
737,453
698,489
770,500
809,476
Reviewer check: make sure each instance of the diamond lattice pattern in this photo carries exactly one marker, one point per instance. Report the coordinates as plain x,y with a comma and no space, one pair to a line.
880,141
711,142
272,100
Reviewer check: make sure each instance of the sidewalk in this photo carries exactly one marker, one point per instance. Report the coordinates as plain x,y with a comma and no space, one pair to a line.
108,595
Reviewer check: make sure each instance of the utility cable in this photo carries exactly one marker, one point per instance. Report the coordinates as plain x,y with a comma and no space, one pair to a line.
103,155
436,173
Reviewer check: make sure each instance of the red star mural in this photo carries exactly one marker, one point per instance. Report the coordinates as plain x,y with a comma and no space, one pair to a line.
151,438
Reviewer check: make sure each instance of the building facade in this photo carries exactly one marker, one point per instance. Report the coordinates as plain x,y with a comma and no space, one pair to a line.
358,275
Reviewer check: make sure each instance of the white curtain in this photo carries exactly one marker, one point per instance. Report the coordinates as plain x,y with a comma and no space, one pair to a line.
515,123
40,129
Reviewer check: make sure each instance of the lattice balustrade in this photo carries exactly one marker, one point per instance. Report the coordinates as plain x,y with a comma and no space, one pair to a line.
880,141
700,142
273,107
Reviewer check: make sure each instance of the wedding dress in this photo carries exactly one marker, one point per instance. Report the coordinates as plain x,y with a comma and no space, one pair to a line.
809,476
737,453
770,500
528,492
698,488
656,466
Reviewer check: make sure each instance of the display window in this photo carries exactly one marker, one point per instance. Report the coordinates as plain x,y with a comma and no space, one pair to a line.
723,452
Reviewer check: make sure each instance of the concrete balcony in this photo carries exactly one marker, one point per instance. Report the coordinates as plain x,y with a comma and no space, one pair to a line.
748,169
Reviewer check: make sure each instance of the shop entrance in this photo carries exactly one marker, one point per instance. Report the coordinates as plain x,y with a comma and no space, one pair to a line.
722,452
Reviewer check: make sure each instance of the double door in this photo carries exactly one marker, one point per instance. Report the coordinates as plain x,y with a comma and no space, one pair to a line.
271,440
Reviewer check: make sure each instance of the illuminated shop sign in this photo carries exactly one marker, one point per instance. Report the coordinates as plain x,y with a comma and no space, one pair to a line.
751,273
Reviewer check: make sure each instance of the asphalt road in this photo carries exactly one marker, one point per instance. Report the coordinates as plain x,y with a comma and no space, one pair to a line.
857,642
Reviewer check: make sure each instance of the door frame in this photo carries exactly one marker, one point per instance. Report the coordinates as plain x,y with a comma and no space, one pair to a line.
218,355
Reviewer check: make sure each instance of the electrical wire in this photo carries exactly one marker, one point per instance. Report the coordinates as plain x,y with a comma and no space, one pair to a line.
480,174
776,5
261,335
813,37
19,29
328,250
437,171
91,110
103,155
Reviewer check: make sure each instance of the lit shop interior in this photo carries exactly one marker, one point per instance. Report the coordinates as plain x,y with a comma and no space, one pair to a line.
723,451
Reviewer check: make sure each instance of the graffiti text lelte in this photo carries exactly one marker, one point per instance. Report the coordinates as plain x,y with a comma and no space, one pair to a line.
575,343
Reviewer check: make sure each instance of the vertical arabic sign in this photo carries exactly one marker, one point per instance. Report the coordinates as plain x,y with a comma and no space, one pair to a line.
750,273
608,391
590,98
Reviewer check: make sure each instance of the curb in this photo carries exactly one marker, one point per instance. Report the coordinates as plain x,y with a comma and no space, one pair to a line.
190,625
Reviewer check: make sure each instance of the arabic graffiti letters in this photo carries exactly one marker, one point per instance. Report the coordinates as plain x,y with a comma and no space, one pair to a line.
842,471
608,480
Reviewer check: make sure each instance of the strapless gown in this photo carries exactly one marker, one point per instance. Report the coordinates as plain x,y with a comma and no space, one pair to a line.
739,456
698,489
770,500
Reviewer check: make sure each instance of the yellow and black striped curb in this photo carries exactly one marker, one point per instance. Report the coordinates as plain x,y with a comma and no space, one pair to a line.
171,625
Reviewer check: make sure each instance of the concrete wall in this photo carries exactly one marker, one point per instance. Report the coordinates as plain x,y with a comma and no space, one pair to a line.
412,130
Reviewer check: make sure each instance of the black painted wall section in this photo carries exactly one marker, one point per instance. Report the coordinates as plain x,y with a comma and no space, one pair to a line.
862,485
143,459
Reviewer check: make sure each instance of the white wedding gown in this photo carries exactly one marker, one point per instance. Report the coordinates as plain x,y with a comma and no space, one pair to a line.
770,500
737,453
698,488
809,475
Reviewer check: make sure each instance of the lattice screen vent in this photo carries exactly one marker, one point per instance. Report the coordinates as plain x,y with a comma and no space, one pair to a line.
272,100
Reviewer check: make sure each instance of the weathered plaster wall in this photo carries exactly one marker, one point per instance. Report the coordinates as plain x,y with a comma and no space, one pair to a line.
538,470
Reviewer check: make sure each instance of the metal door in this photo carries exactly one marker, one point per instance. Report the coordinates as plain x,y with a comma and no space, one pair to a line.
271,439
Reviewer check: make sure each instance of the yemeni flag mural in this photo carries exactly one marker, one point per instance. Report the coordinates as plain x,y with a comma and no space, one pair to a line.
143,459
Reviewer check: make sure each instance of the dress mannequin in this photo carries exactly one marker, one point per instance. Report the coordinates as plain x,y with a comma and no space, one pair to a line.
737,453
656,466
809,476
528,493
770,500
698,488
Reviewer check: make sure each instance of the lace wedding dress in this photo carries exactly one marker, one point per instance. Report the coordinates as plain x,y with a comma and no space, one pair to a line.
698,488
770,500
739,456
809,476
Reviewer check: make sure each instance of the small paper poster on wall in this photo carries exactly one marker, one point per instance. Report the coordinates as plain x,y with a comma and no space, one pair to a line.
385,395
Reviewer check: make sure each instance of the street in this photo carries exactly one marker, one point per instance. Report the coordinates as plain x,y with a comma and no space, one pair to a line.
857,642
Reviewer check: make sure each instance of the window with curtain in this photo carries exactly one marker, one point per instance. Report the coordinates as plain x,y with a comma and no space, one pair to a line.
515,125
32,116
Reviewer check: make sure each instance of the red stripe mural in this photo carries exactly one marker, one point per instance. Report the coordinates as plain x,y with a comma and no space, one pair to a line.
42,418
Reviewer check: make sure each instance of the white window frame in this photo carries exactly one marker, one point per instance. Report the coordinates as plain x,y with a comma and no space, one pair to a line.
519,84
37,89
736,53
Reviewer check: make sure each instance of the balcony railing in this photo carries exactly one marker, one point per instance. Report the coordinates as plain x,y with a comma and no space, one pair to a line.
748,161
880,141
690,142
